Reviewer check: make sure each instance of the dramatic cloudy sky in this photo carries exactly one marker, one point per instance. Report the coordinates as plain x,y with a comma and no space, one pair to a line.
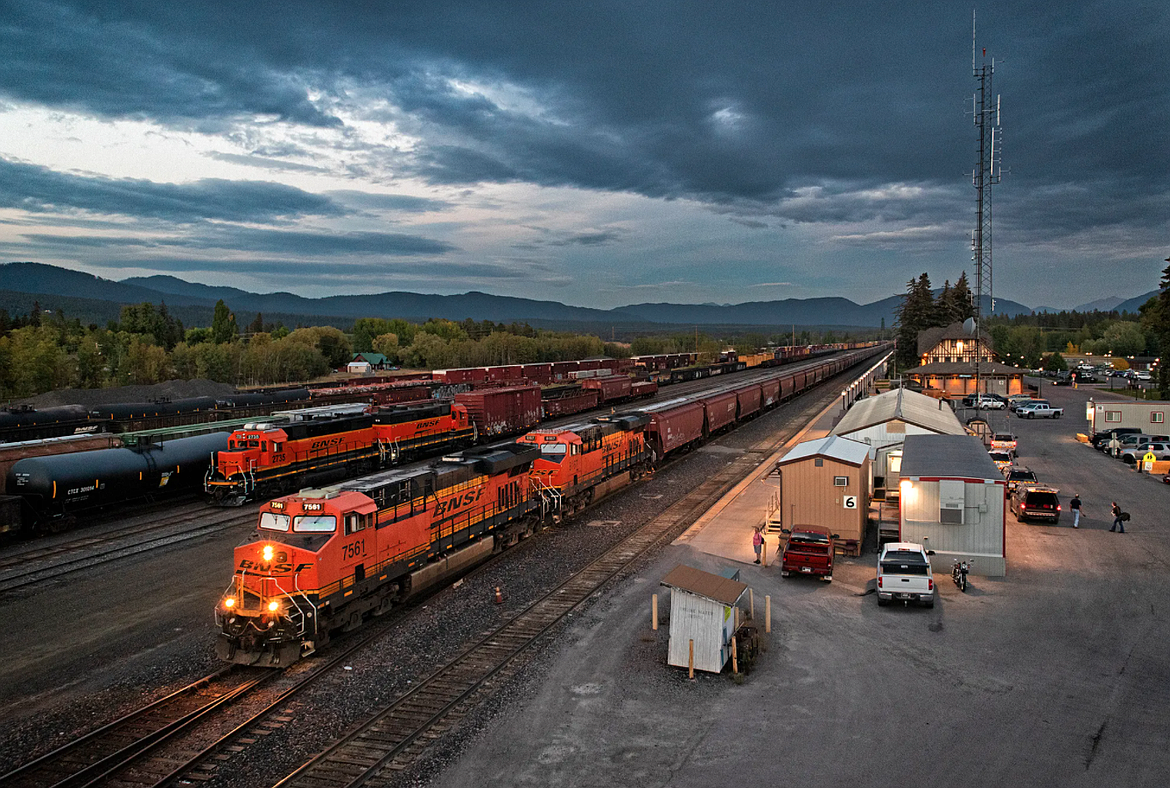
597,153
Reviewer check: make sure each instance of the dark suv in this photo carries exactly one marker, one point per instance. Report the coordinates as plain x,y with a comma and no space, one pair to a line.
1101,439
1035,503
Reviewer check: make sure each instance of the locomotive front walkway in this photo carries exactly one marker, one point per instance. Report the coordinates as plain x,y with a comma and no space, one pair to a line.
726,529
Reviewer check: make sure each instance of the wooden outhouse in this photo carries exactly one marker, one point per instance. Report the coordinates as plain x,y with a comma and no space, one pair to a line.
702,609
825,482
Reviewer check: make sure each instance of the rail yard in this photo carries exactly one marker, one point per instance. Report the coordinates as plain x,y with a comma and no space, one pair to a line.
150,638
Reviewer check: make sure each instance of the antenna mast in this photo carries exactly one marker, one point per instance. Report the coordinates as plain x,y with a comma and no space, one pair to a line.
985,111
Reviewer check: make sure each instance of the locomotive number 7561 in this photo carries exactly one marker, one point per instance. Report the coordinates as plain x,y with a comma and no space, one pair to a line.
353,550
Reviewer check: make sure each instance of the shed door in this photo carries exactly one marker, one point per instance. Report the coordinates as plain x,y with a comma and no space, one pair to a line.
950,501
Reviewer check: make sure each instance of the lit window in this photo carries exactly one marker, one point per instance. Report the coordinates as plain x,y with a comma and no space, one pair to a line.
315,523
273,522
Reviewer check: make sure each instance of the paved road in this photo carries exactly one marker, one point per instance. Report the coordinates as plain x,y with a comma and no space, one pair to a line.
1056,675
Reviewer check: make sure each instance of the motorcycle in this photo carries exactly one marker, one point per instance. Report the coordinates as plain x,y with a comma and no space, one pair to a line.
959,574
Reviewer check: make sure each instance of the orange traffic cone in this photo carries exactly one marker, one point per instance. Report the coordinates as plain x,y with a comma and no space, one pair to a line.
499,596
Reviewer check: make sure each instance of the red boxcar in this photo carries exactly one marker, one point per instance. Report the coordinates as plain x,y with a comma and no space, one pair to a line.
612,388
500,374
643,388
567,400
561,369
591,364
674,427
720,409
464,375
537,373
749,400
502,411
770,392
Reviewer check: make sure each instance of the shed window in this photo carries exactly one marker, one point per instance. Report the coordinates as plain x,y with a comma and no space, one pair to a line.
840,481
894,463
950,501
819,462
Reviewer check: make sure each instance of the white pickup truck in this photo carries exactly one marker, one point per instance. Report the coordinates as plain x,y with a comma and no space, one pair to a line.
1039,410
904,574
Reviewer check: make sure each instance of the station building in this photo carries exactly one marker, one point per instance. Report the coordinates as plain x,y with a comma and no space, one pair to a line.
883,423
947,357
952,501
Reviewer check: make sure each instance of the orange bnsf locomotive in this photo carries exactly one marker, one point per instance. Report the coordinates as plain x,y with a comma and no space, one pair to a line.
321,560
583,463
323,444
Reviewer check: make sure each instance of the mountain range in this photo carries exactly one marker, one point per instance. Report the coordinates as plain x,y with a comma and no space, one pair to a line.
95,299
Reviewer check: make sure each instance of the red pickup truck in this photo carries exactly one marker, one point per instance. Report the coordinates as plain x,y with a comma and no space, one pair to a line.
809,551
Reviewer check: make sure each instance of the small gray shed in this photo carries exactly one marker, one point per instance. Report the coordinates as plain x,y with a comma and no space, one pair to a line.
701,609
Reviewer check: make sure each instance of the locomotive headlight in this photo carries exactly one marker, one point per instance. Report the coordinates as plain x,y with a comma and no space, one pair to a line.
267,552
230,602
274,606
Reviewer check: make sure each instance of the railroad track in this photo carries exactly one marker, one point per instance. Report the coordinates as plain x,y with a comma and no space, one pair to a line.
394,737
88,759
38,566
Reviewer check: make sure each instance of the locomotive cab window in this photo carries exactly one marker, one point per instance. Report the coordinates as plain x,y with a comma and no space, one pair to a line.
275,446
315,523
355,522
273,522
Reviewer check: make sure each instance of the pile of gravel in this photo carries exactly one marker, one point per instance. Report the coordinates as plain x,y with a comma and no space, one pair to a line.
171,389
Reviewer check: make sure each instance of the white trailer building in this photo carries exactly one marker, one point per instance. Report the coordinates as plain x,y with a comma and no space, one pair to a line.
953,502
1149,417
884,421
703,610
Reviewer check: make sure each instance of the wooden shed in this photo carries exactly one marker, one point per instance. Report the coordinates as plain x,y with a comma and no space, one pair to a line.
702,609
825,482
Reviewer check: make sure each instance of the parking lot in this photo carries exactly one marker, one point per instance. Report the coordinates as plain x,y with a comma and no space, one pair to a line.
1057,674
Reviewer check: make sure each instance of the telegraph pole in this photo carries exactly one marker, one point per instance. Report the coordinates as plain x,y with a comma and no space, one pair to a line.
985,111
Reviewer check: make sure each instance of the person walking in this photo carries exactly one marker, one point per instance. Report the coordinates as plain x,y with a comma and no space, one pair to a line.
1118,523
757,543
1075,505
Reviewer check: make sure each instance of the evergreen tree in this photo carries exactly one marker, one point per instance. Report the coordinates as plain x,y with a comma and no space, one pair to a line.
916,313
223,324
962,300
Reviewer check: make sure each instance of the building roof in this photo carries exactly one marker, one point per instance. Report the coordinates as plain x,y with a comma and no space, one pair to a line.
965,368
372,358
947,456
901,405
834,447
704,584
929,338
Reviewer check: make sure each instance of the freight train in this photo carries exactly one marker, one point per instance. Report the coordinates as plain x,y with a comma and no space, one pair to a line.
321,560
53,488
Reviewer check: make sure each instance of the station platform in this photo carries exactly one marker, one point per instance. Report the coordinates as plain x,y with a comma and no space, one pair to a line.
725,530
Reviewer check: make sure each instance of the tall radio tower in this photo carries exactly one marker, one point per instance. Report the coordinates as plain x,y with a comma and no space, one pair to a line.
985,110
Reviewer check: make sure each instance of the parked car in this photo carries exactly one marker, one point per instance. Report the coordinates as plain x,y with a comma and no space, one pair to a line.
1017,475
1101,439
808,551
1143,376
1132,455
1133,440
1039,411
1002,460
1004,441
1063,380
1032,502
904,574
989,402
1015,400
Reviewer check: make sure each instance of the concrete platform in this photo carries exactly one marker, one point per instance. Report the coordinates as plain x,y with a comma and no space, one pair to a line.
726,529
1057,675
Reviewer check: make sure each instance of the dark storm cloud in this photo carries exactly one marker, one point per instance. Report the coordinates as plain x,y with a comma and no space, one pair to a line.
397,203
34,188
730,103
250,239
308,271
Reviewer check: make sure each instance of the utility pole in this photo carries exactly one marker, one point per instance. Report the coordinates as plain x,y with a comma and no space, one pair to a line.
985,111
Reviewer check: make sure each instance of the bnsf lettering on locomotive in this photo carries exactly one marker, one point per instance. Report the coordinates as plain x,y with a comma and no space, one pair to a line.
282,568
457,502
321,444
